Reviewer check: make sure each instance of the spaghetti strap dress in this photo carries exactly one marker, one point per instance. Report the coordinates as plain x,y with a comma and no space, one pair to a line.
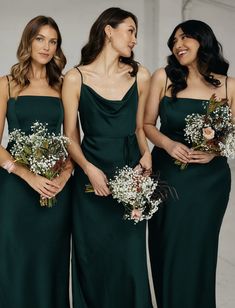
109,255
34,241
183,236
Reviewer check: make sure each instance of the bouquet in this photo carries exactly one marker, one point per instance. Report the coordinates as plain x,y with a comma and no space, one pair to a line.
41,152
140,195
212,132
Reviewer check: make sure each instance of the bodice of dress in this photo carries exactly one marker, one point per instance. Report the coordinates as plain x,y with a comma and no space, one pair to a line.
109,128
110,118
23,111
173,113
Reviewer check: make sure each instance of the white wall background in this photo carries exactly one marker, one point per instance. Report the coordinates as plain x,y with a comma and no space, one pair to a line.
157,18
220,16
74,18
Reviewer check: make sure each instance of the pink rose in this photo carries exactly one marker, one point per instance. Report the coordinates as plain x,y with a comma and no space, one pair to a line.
208,133
136,214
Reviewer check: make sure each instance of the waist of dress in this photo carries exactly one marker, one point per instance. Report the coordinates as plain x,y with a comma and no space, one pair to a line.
111,149
106,137
160,155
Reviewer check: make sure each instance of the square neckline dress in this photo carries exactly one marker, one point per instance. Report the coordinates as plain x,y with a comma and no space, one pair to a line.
34,241
183,236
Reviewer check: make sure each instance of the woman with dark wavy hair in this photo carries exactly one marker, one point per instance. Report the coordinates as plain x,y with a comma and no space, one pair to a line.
34,241
109,90
183,237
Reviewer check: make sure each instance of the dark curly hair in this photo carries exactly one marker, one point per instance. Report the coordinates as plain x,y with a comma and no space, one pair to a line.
209,56
113,17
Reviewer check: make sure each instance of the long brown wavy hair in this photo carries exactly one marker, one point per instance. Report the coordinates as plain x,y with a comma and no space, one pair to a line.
113,17
20,70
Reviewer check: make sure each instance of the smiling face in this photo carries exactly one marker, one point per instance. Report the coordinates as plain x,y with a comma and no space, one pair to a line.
123,37
185,48
44,45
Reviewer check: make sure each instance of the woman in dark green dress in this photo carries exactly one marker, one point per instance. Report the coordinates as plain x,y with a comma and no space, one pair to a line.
183,237
109,89
34,240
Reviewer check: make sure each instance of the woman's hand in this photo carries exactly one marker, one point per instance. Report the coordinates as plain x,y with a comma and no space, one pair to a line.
61,180
199,157
98,180
146,163
43,186
178,151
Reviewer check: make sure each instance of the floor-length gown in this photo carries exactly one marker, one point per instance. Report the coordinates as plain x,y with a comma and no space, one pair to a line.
34,241
109,255
183,236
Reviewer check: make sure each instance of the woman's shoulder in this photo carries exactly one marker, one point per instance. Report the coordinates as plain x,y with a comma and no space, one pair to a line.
143,71
231,87
73,75
159,78
231,80
143,74
5,79
160,74
224,79
4,84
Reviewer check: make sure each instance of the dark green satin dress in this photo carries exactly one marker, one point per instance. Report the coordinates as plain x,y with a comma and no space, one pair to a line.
109,255
34,241
184,234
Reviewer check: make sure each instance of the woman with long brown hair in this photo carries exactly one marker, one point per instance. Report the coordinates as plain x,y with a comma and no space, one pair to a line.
109,89
34,241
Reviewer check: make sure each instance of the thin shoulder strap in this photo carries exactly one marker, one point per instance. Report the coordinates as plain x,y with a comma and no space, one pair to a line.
165,89
136,76
226,87
9,87
79,73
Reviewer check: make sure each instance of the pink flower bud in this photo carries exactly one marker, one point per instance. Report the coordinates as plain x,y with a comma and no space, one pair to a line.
136,214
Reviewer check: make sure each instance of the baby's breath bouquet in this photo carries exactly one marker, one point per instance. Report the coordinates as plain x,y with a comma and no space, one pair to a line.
212,132
41,152
140,195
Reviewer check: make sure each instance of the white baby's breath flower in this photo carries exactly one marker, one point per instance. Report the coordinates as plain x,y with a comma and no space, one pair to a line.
136,192
228,148
42,152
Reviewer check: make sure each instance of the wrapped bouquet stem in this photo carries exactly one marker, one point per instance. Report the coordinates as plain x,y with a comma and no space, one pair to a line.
43,153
